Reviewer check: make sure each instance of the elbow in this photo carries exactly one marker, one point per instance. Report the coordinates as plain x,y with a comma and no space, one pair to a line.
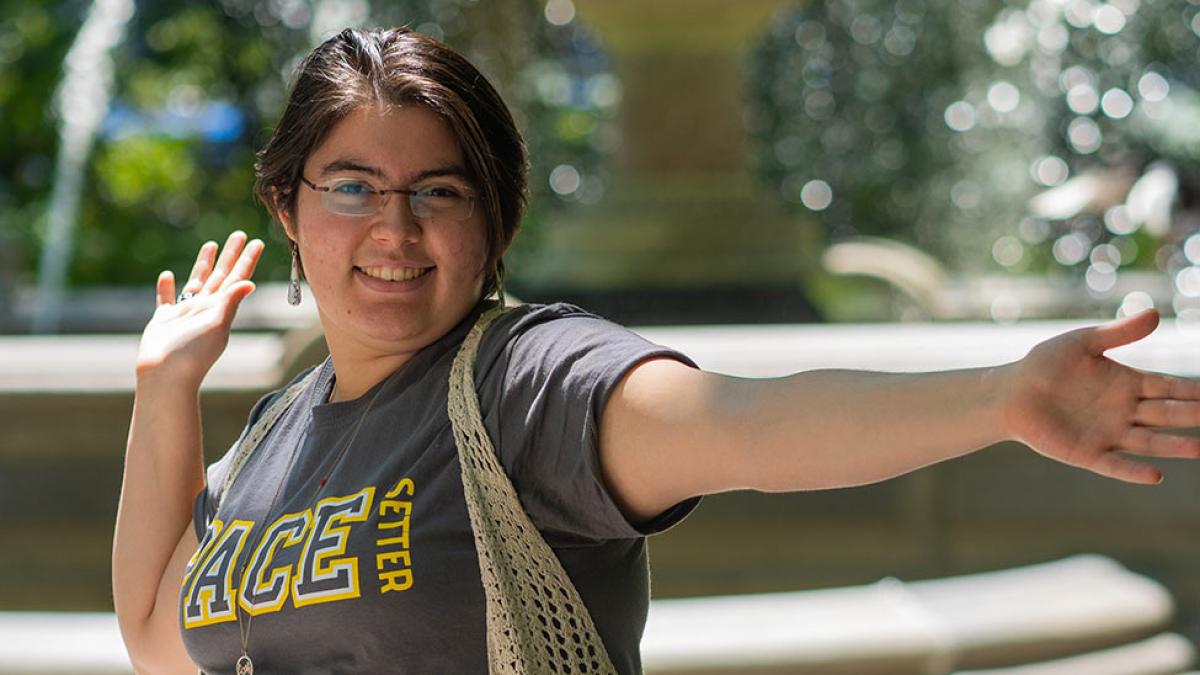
137,645
154,647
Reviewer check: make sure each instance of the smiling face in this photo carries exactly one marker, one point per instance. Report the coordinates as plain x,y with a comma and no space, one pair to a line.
388,283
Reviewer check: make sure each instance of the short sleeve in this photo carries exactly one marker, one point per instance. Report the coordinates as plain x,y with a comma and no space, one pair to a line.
560,365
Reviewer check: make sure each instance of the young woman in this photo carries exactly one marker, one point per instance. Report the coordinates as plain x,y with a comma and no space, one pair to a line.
345,545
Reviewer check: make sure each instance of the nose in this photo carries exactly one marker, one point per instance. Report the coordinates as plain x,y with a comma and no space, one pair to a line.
396,224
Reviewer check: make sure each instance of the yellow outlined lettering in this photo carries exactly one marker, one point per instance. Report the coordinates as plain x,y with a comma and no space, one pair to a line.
326,540
202,550
212,602
260,578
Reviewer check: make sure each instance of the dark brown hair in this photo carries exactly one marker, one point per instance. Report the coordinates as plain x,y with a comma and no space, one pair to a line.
359,68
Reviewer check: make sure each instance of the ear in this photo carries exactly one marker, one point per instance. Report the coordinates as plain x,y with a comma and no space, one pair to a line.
282,214
285,219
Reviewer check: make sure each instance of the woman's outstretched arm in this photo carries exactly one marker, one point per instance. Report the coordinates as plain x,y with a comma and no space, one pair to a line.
164,463
670,432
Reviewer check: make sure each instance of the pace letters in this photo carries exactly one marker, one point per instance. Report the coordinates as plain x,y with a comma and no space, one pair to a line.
315,540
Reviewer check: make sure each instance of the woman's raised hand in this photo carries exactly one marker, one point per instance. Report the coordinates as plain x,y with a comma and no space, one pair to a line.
1071,403
185,338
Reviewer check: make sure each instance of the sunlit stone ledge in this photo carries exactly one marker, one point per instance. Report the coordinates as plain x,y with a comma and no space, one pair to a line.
97,363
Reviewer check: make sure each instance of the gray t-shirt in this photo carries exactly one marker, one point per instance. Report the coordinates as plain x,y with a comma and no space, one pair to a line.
366,563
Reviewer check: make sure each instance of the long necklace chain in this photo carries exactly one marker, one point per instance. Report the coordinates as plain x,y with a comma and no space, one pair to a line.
244,664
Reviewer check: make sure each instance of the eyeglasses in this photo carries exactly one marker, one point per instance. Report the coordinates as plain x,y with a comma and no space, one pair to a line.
352,197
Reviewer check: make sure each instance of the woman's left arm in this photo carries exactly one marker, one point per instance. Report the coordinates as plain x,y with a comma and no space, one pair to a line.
670,432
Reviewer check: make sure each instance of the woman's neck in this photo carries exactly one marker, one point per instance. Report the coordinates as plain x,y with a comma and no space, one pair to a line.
355,377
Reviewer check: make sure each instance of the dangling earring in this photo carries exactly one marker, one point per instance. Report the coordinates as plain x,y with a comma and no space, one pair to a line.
294,286
500,285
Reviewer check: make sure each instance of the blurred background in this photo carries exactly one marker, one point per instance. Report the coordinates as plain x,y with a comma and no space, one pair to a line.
910,184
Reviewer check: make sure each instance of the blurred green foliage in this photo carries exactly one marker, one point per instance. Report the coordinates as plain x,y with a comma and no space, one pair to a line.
936,122
198,87
850,92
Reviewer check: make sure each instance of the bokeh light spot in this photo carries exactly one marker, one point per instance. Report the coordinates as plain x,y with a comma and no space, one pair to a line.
1071,248
1003,96
1084,135
1082,99
1116,103
564,179
560,12
1191,249
1134,302
1154,87
1079,13
604,90
900,41
1119,221
960,116
1101,277
1187,281
816,195
1108,20
865,29
1008,251
1106,253
1050,171
1007,40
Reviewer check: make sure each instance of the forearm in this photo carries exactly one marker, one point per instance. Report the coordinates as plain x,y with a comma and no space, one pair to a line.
837,428
163,474
670,431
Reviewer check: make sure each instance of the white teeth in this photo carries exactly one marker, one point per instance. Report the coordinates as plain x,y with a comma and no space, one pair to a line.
395,273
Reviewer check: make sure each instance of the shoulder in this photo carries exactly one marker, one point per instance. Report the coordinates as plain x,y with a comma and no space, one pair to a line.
558,330
559,317
270,397
216,472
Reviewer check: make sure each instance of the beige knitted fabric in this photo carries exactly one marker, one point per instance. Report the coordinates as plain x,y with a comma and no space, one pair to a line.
248,443
537,623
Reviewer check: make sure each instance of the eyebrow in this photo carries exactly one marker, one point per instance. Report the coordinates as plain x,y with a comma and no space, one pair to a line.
339,165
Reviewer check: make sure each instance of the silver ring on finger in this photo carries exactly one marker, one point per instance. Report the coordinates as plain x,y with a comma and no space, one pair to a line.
186,295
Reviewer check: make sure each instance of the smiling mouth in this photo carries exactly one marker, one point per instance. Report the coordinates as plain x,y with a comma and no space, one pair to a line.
394,273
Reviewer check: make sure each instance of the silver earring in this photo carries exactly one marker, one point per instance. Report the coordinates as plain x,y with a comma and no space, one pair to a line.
294,286
500,286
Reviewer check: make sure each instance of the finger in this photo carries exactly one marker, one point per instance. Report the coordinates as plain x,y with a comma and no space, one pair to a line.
229,255
201,268
1155,385
1167,413
237,292
1151,443
164,289
1121,331
1114,465
246,262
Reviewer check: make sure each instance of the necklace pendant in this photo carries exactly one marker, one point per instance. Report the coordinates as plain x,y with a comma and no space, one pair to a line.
244,665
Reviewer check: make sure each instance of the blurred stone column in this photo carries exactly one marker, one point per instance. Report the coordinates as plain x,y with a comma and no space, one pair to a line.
682,211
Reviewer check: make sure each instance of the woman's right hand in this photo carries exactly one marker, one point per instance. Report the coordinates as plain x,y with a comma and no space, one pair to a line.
184,339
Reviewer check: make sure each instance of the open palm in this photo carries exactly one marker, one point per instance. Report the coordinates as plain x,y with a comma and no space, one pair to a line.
186,338
1071,403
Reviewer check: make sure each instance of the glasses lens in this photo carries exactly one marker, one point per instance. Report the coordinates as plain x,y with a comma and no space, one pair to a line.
352,198
440,204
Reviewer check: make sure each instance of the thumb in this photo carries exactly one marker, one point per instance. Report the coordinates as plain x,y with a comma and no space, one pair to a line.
1121,331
